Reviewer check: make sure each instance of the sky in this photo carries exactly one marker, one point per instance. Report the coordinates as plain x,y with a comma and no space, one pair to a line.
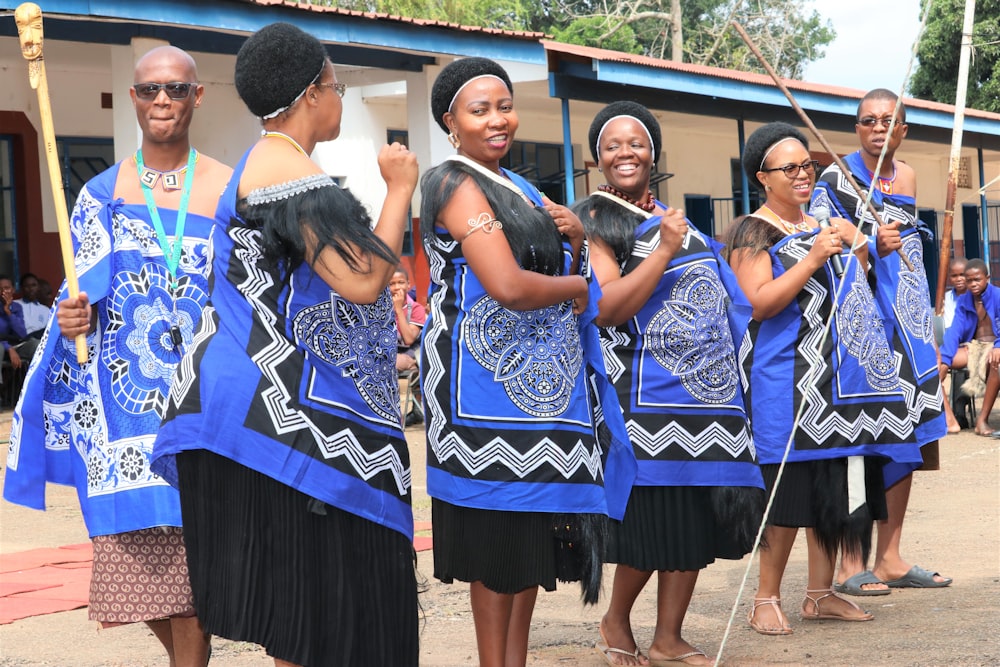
861,56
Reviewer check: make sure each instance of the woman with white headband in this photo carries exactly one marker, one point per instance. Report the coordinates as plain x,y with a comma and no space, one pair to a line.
284,429
832,398
520,484
671,314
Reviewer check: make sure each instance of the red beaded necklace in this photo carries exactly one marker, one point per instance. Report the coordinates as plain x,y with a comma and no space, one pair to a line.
648,205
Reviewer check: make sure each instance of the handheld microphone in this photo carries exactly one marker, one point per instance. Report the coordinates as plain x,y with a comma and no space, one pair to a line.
822,215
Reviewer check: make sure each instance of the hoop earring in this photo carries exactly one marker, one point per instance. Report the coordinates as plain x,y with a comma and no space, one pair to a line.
454,141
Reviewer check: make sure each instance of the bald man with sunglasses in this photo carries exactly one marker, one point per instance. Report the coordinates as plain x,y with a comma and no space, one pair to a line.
141,231
904,302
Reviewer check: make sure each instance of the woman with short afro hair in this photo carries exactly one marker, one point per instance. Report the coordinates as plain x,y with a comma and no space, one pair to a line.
284,428
517,477
832,397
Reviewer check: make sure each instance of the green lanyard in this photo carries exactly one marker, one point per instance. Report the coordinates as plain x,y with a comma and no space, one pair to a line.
171,252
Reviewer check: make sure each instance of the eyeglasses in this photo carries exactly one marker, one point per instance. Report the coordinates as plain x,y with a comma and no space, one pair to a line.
176,90
340,88
871,121
793,170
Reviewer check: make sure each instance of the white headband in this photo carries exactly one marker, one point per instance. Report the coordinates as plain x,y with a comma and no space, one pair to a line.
288,106
773,146
462,87
652,146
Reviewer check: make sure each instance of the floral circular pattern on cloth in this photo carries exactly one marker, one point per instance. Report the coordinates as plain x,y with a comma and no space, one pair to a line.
860,328
690,337
139,351
140,576
360,341
535,354
912,299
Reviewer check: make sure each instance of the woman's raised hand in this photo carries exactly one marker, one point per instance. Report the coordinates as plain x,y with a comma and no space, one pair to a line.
398,166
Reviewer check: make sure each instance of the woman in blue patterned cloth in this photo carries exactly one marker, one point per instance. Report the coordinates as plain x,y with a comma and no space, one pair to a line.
284,421
833,398
672,313
512,452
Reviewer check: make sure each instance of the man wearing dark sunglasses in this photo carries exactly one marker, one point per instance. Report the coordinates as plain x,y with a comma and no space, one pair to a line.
903,298
141,237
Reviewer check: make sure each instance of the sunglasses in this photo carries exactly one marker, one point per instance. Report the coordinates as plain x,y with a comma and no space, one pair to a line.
793,170
871,121
176,90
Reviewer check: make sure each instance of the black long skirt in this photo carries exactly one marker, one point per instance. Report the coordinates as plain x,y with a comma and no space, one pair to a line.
268,567
671,528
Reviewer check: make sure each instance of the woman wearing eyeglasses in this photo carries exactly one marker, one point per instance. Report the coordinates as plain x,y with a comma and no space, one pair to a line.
832,397
285,425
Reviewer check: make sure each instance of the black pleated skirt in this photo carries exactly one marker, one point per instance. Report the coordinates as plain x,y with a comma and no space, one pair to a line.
267,567
813,494
509,552
677,528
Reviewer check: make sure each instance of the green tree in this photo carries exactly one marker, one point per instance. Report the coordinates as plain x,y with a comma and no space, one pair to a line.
788,33
501,14
936,76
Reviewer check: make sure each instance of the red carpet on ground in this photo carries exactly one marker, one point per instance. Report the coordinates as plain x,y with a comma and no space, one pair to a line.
44,581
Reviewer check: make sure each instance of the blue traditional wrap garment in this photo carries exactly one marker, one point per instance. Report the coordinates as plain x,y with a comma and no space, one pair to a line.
93,426
510,412
903,296
675,368
308,397
847,381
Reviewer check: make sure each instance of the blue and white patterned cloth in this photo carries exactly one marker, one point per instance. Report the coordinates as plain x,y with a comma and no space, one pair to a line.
675,367
511,411
93,426
902,296
288,378
846,383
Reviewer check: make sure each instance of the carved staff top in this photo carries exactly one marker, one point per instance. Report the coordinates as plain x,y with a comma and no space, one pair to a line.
28,17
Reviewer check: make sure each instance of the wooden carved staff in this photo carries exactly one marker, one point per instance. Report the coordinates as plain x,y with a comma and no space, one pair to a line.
862,193
955,156
28,17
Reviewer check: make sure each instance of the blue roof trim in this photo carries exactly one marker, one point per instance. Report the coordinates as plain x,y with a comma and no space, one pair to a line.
242,17
741,91
203,41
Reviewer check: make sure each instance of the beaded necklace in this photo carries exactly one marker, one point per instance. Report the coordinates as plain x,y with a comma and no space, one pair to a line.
885,184
784,225
648,204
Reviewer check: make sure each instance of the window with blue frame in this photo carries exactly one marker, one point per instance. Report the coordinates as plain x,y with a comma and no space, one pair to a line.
82,158
9,263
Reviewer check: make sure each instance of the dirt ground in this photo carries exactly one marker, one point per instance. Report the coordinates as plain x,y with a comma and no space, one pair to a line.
953,526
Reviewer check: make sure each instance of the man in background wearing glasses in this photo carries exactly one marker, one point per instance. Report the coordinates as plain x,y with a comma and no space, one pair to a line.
141,231
903,298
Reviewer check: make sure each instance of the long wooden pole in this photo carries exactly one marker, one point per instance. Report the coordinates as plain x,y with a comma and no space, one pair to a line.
862,193
956,152
28,17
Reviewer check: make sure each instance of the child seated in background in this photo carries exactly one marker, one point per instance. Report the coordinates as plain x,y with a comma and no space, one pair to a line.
976,321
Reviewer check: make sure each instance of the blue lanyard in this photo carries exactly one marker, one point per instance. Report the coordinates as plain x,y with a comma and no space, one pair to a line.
171,252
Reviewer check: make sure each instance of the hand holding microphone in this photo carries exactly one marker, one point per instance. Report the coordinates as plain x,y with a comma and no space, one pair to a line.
822,215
